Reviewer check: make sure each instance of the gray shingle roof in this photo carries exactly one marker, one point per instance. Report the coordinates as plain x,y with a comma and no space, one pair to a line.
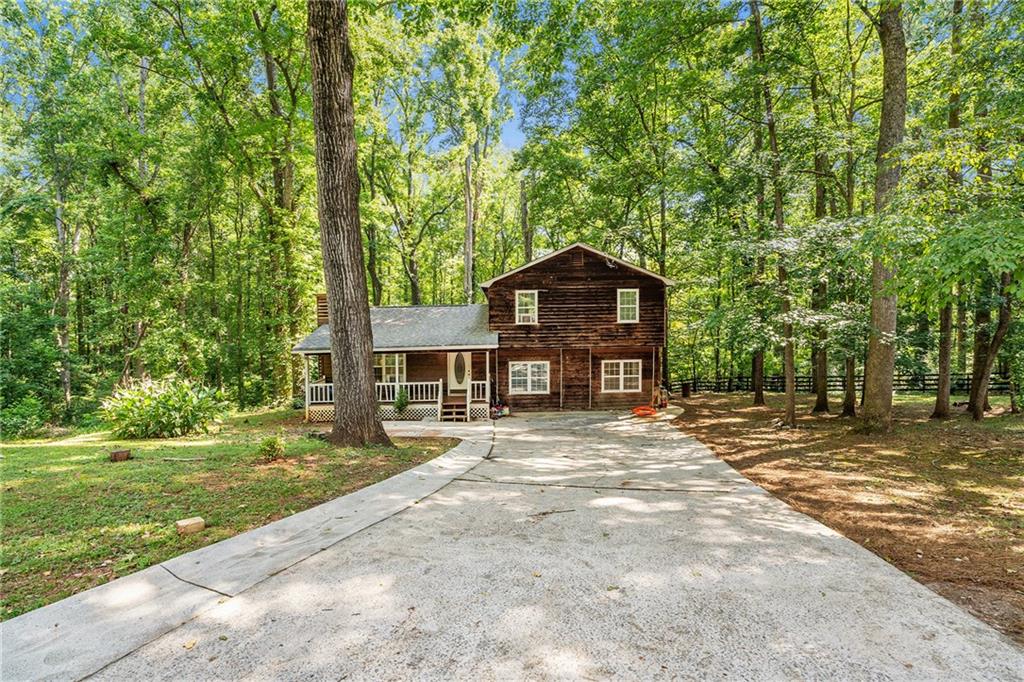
415,327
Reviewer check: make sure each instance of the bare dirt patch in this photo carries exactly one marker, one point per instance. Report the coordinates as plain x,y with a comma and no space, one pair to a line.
943,501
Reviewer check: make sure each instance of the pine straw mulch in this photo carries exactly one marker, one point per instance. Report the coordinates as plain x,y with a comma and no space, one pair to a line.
941,500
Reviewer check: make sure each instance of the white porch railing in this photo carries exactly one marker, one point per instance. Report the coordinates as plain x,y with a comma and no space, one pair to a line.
418,391
320,393
478,390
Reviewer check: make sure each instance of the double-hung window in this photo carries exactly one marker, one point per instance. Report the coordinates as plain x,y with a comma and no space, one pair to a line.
528,377
629,305
389,368
620,376
526,307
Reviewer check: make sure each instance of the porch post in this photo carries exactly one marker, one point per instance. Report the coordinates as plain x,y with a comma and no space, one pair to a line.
487,391
305,382
440,397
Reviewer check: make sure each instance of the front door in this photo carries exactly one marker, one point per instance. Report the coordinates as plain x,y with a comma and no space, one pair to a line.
459,372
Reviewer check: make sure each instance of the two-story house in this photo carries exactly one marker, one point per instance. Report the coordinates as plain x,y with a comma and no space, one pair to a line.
576,329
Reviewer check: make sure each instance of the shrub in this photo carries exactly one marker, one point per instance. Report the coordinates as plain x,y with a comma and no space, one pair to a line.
271,448
22,419
401,400
162,409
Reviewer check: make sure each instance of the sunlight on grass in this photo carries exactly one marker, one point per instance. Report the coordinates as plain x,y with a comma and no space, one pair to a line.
73,519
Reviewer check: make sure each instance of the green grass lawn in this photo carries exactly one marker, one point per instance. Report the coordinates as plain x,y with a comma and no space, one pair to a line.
72,519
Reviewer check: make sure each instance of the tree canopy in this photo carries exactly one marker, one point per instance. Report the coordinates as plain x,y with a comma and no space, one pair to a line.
158,209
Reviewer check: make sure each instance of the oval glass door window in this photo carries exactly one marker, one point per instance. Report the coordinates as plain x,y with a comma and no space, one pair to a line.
460,368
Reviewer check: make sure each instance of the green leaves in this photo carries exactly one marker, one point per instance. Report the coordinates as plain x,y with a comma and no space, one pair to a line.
163,409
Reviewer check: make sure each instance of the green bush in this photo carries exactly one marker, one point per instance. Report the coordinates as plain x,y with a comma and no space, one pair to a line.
401,400
271,448
22,419
162,409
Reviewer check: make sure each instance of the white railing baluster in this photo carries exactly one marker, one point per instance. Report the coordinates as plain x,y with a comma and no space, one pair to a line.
387,392
478,390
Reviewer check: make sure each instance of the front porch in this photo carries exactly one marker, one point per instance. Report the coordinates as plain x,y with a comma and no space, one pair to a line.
410,386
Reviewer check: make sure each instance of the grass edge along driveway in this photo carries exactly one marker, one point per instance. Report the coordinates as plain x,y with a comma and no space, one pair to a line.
73,520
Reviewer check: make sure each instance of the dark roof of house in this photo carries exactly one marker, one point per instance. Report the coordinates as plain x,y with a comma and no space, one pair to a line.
417,328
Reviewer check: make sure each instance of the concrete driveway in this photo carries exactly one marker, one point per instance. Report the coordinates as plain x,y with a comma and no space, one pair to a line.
590,546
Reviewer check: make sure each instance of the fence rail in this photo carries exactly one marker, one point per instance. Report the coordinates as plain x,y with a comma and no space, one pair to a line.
960,384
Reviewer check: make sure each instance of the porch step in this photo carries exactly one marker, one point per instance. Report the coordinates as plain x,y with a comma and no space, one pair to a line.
451,412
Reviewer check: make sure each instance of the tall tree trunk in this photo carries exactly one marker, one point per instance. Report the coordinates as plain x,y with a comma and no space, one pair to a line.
820,296
881,341
941,410
288,370
372,245
356,419
788,352
849,195
820,293
757,361
80,335
1002,327
412,273
982,337
945,343
467,253
524,220
961,331
67,245
757,376
850,386
663,270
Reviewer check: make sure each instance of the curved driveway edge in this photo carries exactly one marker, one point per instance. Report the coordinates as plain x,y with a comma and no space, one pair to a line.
589,546
78,636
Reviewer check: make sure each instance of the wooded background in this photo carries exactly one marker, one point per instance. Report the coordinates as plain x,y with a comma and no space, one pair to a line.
158,208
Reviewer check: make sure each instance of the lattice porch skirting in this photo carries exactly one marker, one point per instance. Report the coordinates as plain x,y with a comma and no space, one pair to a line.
321,414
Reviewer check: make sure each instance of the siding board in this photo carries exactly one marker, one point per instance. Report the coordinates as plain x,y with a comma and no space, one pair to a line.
578,305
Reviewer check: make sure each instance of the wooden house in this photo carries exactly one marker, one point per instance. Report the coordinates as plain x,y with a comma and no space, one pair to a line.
576,329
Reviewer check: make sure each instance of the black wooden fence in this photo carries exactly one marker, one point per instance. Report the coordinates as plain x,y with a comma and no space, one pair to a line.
903,383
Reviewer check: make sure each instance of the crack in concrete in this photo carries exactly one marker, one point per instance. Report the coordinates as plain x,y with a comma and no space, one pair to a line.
189,582
177,626
604,487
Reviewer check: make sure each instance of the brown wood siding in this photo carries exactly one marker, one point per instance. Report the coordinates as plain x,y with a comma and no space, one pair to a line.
431,366
321,309
551,400
576,378
578,305
425,366
419,366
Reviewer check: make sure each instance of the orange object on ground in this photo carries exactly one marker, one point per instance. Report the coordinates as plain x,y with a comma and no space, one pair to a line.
644,411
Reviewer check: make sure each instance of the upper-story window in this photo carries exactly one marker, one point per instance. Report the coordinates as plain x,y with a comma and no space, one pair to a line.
629,305
526,307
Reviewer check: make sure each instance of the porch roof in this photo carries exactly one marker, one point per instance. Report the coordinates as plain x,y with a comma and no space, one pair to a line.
425,327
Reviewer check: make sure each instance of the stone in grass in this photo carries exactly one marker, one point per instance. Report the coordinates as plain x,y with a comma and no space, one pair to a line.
189,526
120,455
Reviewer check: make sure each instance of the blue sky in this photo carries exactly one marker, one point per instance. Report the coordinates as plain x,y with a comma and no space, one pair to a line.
512,136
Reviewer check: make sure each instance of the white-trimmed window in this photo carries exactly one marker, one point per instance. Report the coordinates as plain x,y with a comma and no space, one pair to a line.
528,377
389,368
620,376
629,305
526,306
